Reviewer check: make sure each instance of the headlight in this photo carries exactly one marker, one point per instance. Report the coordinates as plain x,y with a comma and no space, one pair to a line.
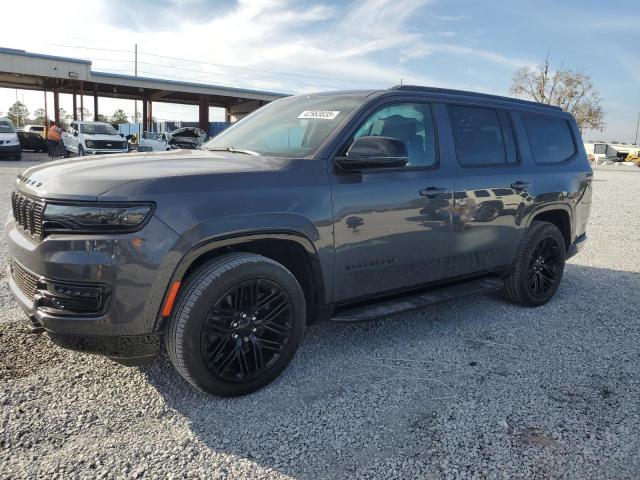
95,218
89,143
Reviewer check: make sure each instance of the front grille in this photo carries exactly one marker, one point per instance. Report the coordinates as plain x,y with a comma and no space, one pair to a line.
107,144
26,281
27,212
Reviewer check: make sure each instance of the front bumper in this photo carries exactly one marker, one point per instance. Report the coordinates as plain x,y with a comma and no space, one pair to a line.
577,246
134,269
99,151
9,150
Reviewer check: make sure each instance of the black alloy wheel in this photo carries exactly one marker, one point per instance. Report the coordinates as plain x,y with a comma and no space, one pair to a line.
538,267
544,267
246,330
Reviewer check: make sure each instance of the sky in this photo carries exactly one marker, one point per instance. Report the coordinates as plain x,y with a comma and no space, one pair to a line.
298,46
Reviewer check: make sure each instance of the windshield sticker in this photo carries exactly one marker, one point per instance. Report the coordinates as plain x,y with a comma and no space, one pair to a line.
320,114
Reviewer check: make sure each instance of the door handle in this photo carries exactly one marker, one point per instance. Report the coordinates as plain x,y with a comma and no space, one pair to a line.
520,185
433,192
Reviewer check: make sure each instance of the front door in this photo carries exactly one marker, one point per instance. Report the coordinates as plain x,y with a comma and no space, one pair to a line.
392,226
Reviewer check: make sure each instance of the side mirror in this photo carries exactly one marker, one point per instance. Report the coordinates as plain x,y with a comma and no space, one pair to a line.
374,152
75,133
122,135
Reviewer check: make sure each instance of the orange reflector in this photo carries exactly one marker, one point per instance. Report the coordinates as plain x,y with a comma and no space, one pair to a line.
173,293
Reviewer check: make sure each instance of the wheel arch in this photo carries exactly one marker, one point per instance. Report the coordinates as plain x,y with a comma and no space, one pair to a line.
291,249
559,215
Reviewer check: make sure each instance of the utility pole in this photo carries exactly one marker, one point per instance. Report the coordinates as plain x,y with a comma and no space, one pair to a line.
135,101
637,125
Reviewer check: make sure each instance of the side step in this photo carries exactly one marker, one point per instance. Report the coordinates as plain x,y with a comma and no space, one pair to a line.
417,301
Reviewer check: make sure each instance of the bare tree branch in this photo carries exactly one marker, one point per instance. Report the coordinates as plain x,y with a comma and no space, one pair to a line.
573,91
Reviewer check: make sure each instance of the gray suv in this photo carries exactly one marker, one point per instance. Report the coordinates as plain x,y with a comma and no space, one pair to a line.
345,206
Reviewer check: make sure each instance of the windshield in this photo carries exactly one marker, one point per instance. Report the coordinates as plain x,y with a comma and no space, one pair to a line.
291,127
6,127
97,129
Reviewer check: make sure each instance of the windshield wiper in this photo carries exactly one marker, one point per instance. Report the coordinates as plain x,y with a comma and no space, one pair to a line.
233,150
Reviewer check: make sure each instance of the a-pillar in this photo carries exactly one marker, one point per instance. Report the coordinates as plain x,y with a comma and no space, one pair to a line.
203,104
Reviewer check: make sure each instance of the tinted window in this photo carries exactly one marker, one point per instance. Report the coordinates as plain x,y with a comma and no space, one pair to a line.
482,136
6,127
291,127
410,122
600,149
550,138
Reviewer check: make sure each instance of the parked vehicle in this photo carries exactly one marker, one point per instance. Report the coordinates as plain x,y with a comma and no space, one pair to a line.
152,142
346,206
90,138
33,137
9,142
188,137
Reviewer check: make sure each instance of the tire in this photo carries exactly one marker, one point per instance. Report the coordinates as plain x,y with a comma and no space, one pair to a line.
534,282
18,156
213,346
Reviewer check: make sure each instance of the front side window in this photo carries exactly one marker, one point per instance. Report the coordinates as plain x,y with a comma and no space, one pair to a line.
549,137
293,127
482,136
410,122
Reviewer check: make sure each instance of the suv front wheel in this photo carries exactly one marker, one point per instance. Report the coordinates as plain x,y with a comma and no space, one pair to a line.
236,325
539,265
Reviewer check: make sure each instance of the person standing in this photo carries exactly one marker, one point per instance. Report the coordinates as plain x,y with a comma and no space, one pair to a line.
54,139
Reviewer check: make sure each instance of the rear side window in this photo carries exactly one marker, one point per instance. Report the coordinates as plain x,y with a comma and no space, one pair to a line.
482,136
550,138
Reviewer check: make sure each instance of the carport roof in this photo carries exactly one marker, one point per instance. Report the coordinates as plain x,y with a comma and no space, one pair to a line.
22,69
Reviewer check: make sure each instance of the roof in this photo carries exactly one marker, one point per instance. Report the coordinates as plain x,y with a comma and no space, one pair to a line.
18,66
464,93
24,53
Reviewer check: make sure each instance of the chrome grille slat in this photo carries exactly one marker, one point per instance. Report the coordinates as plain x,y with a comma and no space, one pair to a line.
26,281
27,212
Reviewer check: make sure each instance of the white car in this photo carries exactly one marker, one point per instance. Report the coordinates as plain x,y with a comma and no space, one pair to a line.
89,138
9,142
153,142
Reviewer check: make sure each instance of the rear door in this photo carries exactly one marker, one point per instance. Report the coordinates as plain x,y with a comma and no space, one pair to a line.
490,189
392,226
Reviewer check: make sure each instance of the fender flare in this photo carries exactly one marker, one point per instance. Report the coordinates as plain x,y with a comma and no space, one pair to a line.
244,238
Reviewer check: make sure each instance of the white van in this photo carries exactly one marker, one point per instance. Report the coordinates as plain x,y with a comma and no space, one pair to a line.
89,138
9,142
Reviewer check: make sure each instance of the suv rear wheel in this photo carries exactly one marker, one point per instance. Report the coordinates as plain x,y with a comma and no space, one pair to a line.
538,267
236,325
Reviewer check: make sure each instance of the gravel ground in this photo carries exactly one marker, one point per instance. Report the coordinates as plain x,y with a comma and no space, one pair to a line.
476,388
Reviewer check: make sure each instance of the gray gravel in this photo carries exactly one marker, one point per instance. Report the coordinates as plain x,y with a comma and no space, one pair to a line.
477,388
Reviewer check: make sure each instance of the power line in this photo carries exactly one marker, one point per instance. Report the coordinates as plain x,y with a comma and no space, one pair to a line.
252,69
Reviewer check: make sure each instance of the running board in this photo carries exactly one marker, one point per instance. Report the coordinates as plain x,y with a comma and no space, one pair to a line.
417,301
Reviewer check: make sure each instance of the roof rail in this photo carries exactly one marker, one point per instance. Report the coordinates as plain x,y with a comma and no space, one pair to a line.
449,91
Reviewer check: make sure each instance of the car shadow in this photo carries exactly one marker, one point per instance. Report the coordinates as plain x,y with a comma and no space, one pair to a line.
379,396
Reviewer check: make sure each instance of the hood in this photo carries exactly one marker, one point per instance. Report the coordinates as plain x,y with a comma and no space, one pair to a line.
86,178
102,136
8,136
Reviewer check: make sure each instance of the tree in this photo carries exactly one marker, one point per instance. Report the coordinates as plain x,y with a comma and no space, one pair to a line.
102,118
85,114
40,117
18,114
571,90
119,117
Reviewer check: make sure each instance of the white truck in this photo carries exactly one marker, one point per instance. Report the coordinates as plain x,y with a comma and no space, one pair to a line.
92,138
